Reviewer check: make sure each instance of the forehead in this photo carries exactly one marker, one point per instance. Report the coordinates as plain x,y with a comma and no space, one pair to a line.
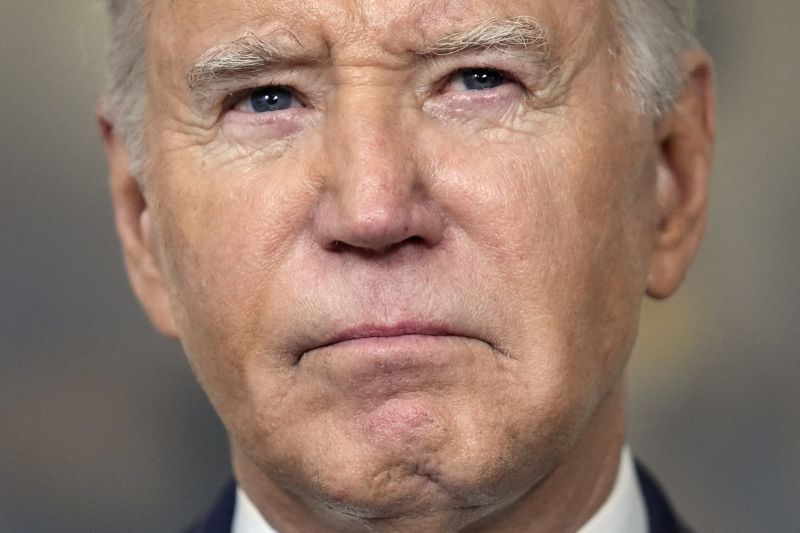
395,25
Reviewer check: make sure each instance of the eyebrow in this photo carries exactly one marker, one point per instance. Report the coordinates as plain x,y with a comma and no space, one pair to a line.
493,34
251,56
247,57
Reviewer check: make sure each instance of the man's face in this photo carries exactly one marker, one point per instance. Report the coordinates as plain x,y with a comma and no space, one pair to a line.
407,272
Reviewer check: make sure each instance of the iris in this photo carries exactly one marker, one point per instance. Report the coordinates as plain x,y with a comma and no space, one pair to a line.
271,99
482,79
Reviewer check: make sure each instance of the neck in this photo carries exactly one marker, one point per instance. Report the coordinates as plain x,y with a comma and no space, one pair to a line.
562,501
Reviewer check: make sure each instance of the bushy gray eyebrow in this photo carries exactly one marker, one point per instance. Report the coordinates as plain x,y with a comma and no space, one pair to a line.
243,58
251,56
514,32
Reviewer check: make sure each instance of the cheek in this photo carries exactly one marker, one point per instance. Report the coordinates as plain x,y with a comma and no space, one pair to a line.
563,230
225,236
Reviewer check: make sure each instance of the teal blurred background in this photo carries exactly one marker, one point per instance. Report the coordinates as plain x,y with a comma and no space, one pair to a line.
104,429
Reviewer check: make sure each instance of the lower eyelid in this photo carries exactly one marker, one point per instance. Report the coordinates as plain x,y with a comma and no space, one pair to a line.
281,122
473,104
494,94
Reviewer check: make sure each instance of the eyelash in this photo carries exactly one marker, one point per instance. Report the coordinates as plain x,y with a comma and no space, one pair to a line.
236,98
506,76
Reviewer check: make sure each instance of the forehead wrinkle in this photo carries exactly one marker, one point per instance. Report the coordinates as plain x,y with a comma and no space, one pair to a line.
393,27
405,32
441,27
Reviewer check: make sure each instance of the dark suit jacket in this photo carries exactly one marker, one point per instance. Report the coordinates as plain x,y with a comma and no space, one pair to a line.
659,513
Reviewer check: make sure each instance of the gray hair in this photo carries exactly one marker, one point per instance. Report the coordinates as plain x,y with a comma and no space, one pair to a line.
125,102
654,33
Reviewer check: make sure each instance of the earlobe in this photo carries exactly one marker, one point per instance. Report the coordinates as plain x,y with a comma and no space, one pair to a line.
136,233
686,139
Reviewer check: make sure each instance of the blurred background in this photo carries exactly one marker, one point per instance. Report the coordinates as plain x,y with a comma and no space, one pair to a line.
102,427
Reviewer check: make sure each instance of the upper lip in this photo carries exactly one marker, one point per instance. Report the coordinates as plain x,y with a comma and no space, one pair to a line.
364,331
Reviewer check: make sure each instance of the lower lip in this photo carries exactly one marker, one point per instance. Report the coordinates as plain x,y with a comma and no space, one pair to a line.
387,347
391,360
388,340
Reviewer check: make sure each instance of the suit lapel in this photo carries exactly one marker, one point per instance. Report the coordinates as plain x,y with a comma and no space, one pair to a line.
220,518
660,515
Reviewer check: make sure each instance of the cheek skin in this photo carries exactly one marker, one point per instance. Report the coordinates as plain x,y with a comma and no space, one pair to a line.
565,242
225,249
562,221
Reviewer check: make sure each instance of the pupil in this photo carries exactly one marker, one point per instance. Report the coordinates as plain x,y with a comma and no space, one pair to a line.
271,99
479,80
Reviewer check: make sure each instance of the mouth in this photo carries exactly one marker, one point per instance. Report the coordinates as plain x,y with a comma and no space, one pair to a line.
373,362
403,343
396,341
385,333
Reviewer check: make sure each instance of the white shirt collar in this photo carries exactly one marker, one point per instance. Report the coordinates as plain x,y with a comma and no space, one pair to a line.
623,512
246,518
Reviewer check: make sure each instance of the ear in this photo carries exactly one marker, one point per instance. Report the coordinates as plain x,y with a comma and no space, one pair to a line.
135,229
686,141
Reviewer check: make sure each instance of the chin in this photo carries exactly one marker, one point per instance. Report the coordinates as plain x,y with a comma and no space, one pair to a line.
442,471
459,446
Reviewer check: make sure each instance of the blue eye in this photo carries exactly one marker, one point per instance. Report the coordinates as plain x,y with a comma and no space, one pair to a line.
480,79
270,99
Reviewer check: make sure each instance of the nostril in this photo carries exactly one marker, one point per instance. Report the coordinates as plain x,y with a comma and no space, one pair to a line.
343,246
415,240
378,224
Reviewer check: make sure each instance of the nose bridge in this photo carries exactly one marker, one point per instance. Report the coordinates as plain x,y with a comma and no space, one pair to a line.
375,196
369,147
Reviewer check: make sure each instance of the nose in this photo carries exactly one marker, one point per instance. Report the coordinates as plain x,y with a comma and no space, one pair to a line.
377,194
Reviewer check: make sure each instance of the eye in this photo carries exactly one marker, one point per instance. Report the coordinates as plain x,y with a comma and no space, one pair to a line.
268,99
478,79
